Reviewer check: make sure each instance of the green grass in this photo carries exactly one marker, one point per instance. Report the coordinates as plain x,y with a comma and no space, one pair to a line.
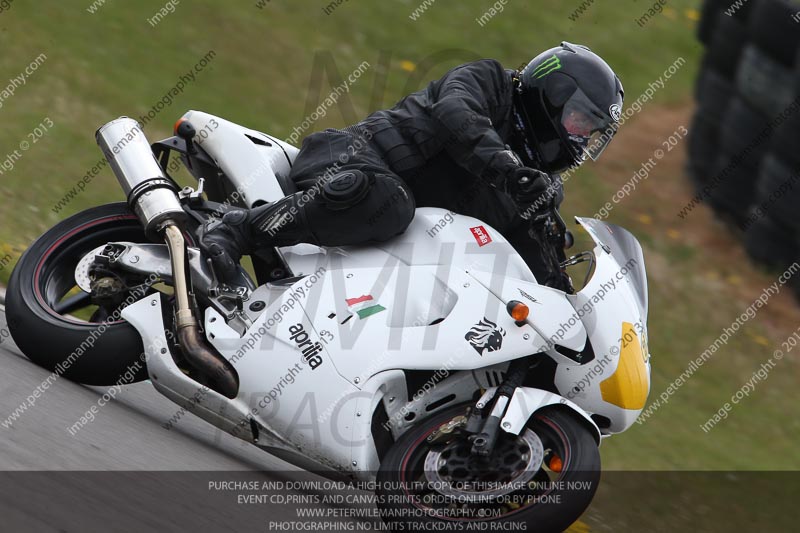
112,63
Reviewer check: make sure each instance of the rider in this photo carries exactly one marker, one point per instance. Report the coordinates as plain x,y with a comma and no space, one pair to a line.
481,141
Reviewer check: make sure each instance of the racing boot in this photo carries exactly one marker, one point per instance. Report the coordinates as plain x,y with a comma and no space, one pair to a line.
243,231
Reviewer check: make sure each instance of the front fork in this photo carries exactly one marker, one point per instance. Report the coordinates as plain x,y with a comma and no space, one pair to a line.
550,231
483,423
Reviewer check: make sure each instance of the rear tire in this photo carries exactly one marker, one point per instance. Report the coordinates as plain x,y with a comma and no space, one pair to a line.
39,283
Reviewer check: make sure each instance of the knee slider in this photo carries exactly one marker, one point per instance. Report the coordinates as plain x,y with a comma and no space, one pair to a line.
346,189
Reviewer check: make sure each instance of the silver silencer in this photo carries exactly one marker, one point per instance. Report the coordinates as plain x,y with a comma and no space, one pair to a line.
151,195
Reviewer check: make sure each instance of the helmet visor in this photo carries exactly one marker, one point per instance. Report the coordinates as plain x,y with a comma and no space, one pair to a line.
588,129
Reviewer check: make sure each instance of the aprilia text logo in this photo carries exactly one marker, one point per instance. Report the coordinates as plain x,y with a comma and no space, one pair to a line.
310,350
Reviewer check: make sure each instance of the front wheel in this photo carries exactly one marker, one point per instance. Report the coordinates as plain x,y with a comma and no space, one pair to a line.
545,477
54,323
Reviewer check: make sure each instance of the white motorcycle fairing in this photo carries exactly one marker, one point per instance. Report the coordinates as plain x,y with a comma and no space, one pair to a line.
326,361
612,308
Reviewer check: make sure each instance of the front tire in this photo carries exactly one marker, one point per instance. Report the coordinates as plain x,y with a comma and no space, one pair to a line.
549,499
41,301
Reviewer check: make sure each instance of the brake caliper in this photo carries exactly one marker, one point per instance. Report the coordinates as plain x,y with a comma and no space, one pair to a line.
445,432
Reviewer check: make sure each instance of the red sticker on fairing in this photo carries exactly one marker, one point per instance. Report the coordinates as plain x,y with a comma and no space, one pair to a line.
481,235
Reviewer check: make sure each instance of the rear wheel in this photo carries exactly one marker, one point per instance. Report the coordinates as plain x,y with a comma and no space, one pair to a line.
544,478
55,323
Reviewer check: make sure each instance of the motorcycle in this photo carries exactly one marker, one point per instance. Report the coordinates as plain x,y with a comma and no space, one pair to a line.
432,365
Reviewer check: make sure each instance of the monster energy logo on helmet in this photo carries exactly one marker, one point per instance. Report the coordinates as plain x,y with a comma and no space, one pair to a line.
547,66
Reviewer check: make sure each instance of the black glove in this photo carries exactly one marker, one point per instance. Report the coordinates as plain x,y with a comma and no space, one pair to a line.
224,241
532,190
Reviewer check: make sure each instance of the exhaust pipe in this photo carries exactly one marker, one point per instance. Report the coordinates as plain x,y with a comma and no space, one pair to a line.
198,353
153,197
150,194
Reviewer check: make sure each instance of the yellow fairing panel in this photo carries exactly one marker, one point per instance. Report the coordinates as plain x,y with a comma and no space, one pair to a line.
629,385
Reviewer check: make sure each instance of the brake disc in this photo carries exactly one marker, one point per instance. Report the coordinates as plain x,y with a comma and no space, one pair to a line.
455,472
82,278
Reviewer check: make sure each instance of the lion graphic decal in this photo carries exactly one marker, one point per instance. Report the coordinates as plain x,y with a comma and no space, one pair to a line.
485,335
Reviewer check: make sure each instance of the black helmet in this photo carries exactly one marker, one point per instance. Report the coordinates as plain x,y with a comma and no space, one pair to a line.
569,102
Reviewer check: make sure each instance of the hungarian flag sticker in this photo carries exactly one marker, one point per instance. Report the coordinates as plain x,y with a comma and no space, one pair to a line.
364,306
